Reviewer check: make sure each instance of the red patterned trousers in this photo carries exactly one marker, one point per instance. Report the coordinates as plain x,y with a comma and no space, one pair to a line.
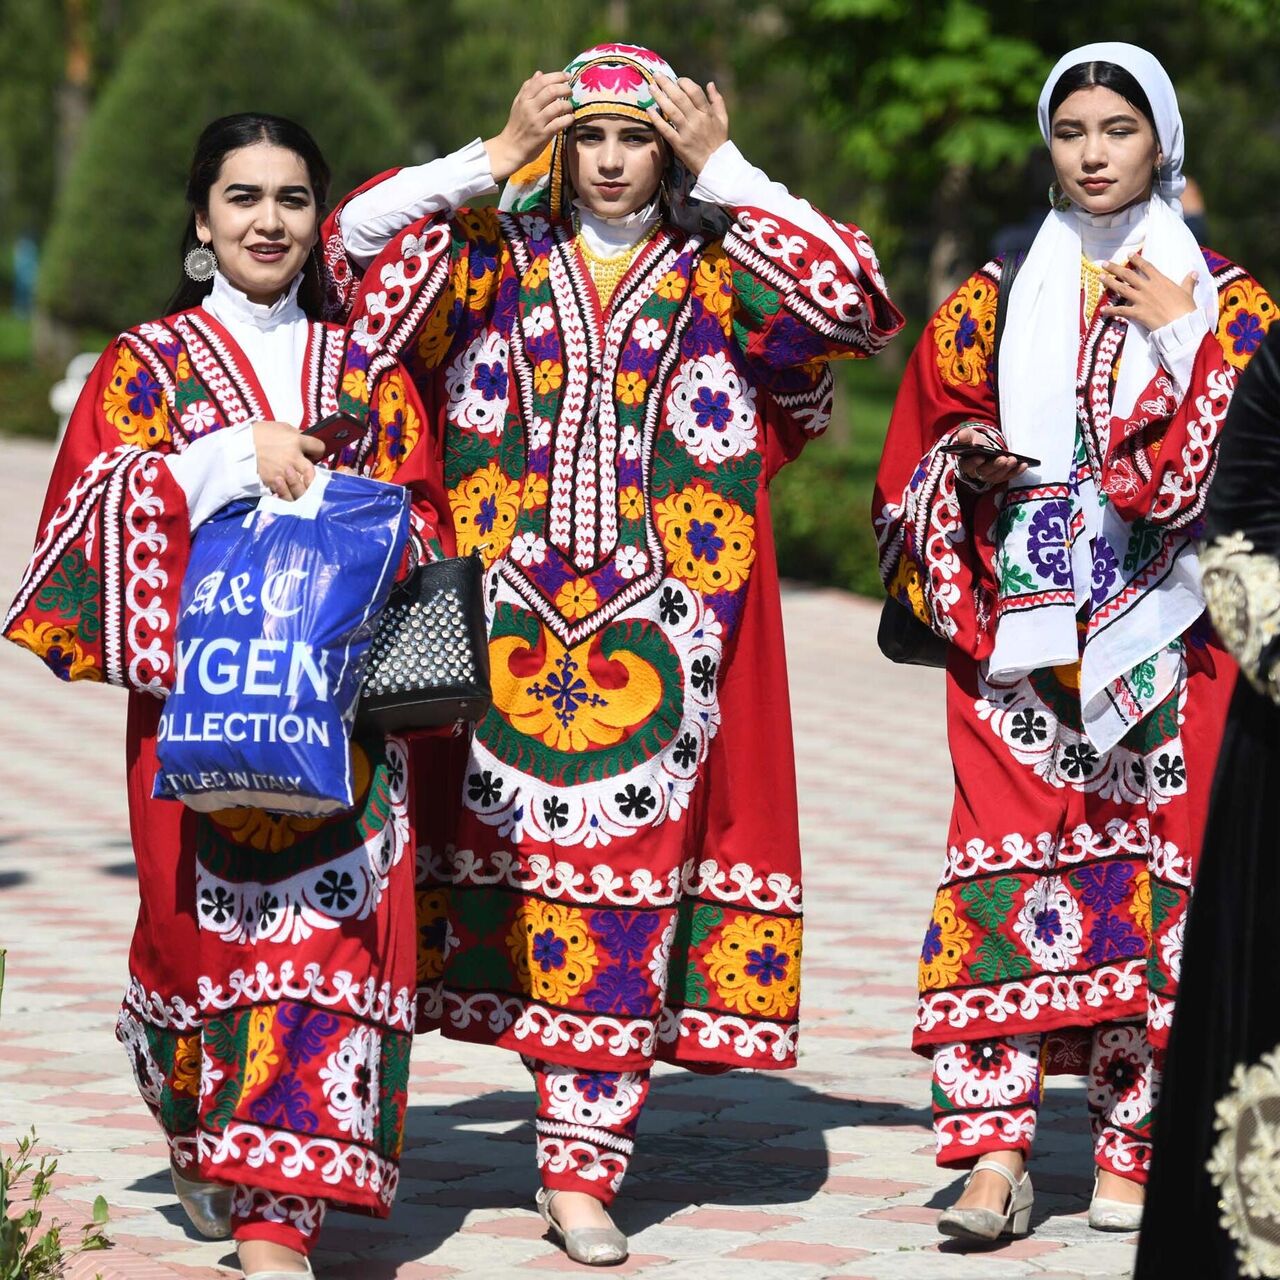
586,1126
986,1096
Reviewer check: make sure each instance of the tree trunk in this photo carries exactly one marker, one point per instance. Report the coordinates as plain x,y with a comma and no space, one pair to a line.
946,257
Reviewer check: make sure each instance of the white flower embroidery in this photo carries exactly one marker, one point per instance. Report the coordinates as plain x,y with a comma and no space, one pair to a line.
198,418
534,227
539,433
629,443
478,385
1051,925
528,549
350,1083
712,410
538,321
649,334
631,562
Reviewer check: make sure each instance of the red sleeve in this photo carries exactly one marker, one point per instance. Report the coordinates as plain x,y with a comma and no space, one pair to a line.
99,599
936,533
342,275
1163,455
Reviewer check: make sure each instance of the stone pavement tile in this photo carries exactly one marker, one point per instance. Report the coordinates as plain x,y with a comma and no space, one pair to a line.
757,1222
794,1251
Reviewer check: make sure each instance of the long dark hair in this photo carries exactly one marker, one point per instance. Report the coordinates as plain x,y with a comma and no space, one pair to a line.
218,141
1086,74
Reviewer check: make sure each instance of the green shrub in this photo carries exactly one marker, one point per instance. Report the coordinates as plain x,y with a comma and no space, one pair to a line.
111,257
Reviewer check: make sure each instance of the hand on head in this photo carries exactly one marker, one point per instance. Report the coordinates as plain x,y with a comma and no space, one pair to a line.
541,110
694,123
286,458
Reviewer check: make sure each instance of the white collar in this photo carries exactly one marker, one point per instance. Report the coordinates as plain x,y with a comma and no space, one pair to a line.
1105,236
608,236
227,303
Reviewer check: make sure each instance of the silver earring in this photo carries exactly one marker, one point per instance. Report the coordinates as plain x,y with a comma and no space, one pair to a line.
200,263
1057,200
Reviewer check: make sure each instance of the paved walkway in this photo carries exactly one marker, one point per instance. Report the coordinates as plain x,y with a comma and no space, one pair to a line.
825,1172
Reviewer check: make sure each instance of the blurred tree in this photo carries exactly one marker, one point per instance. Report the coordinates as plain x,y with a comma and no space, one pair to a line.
111,254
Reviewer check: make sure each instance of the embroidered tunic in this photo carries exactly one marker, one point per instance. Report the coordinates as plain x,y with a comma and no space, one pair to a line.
1064,894
612,874
270,1009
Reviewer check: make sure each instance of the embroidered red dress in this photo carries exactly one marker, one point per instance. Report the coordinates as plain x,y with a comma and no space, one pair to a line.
270,1006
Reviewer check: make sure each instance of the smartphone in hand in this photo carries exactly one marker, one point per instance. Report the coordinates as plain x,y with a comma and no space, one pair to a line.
987,451
335,432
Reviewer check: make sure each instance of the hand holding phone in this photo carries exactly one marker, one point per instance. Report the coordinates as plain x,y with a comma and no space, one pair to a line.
987,451
335,432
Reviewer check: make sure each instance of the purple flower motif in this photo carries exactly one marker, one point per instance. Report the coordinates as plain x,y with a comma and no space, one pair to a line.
484,257
967,333
285,1105
1105,569
635,359
549,951
712,408
1104,887
626,934
307,1031
768,965
504,310
357,357
1111,939
1048,925
1247,331
702,337
1048,542
932,943
144,394
542,346
704,541
594,1085
490,380
620,989
487,514
727,606
59,661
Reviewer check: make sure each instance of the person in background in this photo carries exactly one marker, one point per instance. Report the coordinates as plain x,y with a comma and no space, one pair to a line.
269,1013
1036,505
619,360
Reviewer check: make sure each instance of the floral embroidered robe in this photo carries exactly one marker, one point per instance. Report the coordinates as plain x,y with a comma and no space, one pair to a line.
270,1008
611,873
1068,871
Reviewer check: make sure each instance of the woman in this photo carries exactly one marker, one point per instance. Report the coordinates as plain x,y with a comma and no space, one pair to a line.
618,364
1211,1205
1085,698
270,1004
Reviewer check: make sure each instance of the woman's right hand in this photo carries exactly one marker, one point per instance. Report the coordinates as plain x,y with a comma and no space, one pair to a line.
285,458
987,471
541,110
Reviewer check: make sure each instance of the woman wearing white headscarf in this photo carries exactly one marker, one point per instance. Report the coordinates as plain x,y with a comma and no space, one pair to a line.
1041,522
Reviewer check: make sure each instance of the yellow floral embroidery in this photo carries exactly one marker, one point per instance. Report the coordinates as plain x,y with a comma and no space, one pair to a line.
963,331
355,384
712,283
631,388
433,933
673,286
260,1054
594,715
59,647
755,965
631,503
577,599
535,493
182,370
436,337
945,944
710,540
186,1066
906,583
538,271
398,425
134,403
485,506
1245,313
1140,907
548,376
553,950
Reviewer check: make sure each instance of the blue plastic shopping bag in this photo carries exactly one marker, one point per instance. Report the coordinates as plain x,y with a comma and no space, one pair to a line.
278,605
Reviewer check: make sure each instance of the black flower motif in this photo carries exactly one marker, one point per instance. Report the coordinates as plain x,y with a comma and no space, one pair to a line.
703,675
336,891
484,789
217,905
672,606
635,803
1139,768
1028,727
1079,760
1170,771
555,812
686,751
267,907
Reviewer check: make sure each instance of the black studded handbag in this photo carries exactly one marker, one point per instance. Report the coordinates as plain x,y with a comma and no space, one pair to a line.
428,662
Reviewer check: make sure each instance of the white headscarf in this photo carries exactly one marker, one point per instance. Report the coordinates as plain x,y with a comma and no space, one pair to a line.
1039,353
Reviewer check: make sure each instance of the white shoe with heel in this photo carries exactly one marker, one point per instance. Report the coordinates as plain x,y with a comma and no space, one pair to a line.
989,1224
1113,1215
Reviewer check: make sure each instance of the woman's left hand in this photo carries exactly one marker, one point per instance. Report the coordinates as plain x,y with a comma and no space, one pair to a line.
693,124
1147,295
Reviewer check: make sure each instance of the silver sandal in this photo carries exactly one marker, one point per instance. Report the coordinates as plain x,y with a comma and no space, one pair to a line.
988,1224
593,1246
207,1204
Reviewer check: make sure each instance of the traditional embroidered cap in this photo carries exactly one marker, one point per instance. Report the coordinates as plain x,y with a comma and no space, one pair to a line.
605,80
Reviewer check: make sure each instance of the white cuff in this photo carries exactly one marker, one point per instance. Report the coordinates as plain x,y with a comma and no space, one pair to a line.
1177,343
441,185
215,470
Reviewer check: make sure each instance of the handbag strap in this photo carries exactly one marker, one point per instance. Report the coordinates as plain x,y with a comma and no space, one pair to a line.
1008,273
